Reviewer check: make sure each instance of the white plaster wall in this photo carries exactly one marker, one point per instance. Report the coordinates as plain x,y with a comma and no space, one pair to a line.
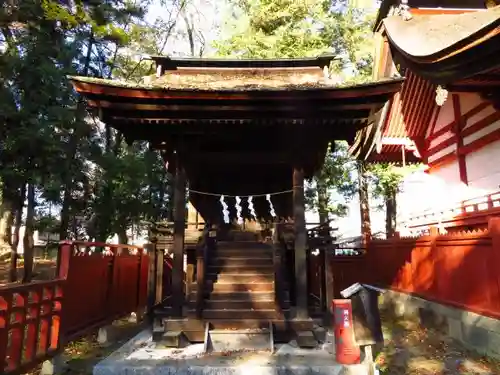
423,191
483,168
445,117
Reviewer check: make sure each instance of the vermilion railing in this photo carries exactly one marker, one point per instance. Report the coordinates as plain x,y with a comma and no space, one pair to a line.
460,269
468,212
91,289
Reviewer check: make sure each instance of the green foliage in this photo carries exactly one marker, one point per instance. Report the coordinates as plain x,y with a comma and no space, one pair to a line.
385,179
48,139
334,184
309,28
277,28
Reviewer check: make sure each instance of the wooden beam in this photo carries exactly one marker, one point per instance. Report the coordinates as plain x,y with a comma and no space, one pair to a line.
234,157
303,112
301,290
459,126
178,247
216,106
465,132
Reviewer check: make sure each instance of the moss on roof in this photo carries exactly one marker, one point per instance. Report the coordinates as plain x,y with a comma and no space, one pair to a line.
225,82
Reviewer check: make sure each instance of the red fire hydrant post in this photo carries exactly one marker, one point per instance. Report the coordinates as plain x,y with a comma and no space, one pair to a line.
346,351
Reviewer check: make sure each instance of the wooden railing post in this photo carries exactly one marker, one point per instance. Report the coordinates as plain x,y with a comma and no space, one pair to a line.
150,248
189,280
494,232
141,280
278,264
159,255
201,259
64,254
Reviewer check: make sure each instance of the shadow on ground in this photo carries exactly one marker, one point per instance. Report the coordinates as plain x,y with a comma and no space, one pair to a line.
411,349
83,354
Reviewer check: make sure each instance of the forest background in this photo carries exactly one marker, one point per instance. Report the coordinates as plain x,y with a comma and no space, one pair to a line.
65,173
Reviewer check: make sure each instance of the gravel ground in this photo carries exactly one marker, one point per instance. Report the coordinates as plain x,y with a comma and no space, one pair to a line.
411,350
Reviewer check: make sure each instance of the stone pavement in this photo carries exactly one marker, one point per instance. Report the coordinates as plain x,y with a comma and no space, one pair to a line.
140,356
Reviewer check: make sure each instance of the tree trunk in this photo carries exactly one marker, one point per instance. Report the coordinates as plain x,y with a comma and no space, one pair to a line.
68,188
8,230
122,237
71,155
390,213
5,217
322,201
364,205
17,230
190,31
28,242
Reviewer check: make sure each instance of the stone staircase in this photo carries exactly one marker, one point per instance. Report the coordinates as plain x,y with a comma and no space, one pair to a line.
240,305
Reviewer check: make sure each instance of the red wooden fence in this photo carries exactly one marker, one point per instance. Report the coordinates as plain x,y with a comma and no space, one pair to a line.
91,289
461,269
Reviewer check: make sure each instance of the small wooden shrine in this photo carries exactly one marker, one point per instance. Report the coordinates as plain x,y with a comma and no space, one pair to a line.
447,113
242,135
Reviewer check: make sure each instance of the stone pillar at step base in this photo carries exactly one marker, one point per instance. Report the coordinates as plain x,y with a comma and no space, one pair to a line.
55,366
104,336
137,316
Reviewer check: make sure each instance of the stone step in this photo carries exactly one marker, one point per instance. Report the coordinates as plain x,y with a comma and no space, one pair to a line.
239,296
241,287
260,269
193,324
243,314
183,325
242,245
223,340
244,305
250,254
239,261
194,329
306,339
242,278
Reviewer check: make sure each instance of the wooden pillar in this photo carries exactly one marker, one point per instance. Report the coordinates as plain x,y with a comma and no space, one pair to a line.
150,248
329,283
160,264
178,248
299,216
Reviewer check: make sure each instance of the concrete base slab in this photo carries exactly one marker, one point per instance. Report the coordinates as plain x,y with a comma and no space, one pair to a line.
140,356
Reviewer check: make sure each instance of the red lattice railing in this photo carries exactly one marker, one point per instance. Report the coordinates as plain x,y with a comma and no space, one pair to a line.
92,288
472,211
460,269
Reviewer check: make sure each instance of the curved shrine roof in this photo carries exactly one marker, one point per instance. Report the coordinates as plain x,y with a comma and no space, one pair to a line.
238,129
436,37
445,48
